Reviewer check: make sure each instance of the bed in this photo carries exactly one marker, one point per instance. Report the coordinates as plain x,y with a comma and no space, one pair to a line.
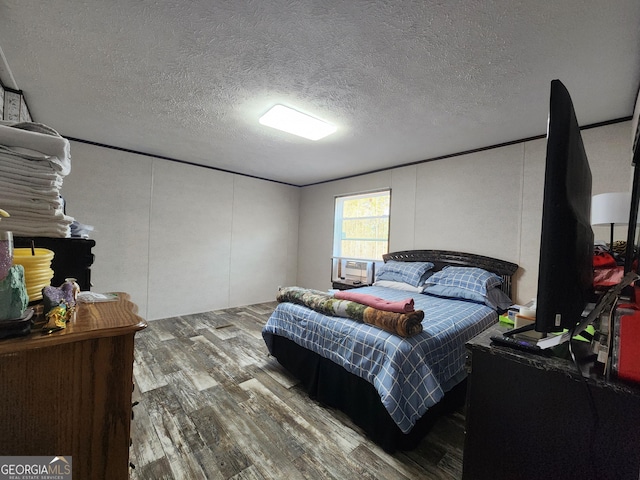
395,387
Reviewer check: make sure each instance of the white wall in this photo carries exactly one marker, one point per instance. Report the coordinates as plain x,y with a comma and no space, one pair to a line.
182,239
488,203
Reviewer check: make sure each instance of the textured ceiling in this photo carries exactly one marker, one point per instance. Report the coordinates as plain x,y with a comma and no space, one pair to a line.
404,81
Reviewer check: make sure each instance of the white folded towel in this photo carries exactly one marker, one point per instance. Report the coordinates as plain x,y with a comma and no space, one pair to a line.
25,223
33,218
57,231
20,162
50,180
13,205
21,191
35,190
22,172
56,147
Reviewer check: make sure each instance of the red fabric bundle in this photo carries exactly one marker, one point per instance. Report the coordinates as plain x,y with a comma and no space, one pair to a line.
401,306
606,272
603,260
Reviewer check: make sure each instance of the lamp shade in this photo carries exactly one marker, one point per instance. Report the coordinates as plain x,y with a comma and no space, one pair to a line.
610,208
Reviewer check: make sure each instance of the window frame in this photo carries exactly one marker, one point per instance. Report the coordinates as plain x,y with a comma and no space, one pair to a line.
338,219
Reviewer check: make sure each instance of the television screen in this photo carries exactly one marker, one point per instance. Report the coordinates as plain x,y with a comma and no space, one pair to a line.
635,132
565,271
630,255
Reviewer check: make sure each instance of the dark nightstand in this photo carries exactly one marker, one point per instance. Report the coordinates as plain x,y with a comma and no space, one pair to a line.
347,285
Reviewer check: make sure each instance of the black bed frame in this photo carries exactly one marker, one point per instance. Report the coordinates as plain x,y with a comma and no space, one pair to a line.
332,385
442,258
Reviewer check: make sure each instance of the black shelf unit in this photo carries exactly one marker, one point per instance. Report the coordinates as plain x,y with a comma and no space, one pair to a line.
72,257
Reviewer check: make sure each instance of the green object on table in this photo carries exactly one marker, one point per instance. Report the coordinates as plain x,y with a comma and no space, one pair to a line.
590,330
13,294
504,319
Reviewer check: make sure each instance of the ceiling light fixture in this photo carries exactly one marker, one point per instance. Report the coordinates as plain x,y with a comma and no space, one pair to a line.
291,121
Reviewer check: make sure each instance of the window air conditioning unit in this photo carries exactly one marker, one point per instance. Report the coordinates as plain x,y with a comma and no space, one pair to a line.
353,271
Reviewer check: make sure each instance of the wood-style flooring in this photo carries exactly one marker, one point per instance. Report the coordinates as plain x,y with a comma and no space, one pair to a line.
214,405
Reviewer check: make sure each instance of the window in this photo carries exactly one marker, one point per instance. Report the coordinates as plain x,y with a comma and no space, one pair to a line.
361,227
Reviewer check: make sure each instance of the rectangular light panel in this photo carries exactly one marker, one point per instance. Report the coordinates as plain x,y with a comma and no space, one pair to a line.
291,121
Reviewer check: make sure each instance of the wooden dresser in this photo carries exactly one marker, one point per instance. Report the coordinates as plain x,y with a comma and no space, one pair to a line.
69,393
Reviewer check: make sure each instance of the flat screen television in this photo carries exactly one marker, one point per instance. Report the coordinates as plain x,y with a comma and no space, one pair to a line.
565,270
635,132
630,255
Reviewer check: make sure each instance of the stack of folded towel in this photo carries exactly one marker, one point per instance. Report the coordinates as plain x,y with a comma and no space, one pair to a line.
34,159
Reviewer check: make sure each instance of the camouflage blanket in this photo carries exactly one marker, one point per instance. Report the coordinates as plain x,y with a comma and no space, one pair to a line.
403,324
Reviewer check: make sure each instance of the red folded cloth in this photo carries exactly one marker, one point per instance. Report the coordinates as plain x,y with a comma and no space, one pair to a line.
400,306
603,260
607,277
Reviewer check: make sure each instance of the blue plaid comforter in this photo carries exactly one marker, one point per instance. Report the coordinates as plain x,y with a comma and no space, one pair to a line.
410,374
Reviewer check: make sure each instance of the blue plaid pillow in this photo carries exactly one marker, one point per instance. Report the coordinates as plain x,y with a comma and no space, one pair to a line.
470,280
413,273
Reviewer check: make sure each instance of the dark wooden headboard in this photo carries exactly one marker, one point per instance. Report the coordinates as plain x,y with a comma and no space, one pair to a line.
441,258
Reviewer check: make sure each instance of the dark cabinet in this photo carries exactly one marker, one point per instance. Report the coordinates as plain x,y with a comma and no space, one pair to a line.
72,257
532,417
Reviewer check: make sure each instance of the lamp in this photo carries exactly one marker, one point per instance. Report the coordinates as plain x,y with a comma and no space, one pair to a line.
610,209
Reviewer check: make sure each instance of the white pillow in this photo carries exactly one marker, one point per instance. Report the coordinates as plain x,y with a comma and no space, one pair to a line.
398,286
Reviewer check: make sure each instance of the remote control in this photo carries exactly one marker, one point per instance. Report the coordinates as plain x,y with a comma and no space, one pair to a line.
517,343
